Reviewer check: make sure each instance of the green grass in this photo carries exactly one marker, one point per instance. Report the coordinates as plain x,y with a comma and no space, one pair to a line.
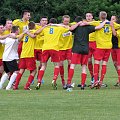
49,104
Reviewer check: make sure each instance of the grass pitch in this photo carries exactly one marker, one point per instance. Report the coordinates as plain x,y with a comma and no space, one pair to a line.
49,104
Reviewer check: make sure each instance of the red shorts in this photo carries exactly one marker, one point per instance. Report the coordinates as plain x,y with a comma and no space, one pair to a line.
46,54
102,54
38,54
115,53
1,62
27,63
92,48
20,48
65,54
79,59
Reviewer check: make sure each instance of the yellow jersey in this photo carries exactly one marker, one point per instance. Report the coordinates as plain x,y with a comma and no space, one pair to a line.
52,36
39,39
66,40
118,36
23,25
28,46
1,49
103,35
6,32
92,37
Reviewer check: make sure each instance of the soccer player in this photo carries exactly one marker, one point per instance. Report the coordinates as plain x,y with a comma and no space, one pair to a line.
10,57
92,47
8,27
66,42
51,49
40,40
80,50
115,53
23,25
27,60
1,52
104,45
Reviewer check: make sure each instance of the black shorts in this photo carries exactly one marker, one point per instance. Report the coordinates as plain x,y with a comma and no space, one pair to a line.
10,66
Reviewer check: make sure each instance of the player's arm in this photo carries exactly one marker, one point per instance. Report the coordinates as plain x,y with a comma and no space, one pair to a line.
20,36
75,26
113,29
40,30
4,36
31,34
2,41
101,25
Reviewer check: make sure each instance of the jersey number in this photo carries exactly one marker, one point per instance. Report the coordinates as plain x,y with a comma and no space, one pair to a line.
26,39
106,29
51,31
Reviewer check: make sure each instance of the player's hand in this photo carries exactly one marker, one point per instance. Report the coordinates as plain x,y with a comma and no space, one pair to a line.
111,24
12,35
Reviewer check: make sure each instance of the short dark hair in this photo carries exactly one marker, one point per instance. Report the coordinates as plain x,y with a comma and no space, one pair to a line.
53,20
78,18
43,17
31,25
14,29
25,11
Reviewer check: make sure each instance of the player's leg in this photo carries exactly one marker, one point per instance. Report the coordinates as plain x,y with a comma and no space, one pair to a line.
74,60
70,74
84,61
104,65
31,66
30,79
55,75
12,80
13,68
62,72
5,76
40,75
83,76
18,78
118,66
22,67
1,68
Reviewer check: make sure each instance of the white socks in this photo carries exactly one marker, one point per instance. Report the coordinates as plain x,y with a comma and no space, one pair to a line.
12,79
3,79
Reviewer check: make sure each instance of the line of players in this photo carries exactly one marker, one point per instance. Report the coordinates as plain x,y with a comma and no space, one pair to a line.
56,41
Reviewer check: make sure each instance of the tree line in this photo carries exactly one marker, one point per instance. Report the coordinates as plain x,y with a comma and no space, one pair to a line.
57,8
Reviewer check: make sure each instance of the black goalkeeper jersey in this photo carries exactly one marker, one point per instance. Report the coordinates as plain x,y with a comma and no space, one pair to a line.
81,39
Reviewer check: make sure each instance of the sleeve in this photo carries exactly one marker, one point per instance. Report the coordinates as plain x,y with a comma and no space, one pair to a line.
91,29
95,23
118,33
116,26
3,41
64,29
15,22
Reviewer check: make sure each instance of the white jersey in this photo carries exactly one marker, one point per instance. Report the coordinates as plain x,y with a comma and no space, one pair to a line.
10,51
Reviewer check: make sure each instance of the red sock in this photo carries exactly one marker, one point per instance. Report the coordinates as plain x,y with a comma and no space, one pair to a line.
68,68
103,72
90,67
40,75
96,70
30,79
70,76
118,71
83,78
56,73
18,78
62,74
